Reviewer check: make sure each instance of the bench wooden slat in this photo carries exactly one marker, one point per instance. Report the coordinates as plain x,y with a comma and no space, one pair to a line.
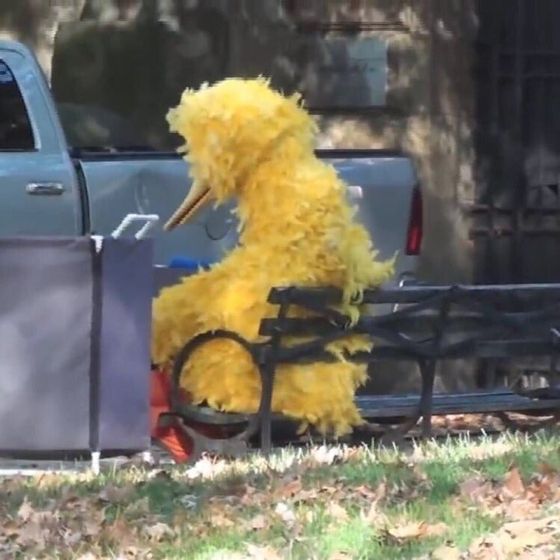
471,349
319,326
515,348
393,406
415,293
387,406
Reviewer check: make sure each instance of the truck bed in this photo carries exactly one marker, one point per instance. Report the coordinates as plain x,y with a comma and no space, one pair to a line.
118,183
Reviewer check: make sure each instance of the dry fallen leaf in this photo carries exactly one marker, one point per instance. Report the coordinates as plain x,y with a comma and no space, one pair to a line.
373,495
219,520
72,538
262,552
285,513
484,549
520,508
139,507
436,530
352,454
330,490
517,527
405,532
289,490
446,552
133,553
337,512
547,469
25,511
543,489
340,555
528,539
259,499
91,526
513,484
159,532
474,489
32,534
415,530
306,495
258,523
116,494
119,532
513,538
373,516
87,556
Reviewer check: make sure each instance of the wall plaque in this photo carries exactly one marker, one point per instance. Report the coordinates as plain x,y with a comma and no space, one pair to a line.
346,73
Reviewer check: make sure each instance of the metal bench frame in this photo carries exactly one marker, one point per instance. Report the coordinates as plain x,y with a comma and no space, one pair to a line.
430,323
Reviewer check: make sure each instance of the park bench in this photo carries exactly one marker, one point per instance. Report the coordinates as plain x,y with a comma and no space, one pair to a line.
424,325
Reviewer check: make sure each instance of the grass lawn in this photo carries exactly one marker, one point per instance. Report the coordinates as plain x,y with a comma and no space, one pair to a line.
480,499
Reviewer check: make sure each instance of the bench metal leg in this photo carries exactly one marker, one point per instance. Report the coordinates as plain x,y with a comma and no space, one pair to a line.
424,410
394,435
427,369
267,371
265,411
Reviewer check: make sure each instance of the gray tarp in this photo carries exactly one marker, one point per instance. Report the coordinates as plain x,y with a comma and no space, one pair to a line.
74,344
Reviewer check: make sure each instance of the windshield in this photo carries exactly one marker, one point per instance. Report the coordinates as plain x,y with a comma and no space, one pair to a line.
114,82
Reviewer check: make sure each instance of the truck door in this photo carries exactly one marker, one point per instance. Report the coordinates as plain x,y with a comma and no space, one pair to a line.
39,192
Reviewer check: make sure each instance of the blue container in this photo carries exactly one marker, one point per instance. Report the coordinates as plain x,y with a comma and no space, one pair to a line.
189,265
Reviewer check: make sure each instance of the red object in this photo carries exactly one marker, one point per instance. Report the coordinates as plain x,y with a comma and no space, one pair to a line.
177,444
415,224
172,438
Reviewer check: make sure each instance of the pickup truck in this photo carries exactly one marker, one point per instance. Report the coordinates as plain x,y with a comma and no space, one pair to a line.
51,188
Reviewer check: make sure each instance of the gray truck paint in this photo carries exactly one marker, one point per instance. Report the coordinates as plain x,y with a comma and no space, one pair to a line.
99,189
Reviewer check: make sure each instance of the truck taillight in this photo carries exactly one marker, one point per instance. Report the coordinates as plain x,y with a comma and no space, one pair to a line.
414,236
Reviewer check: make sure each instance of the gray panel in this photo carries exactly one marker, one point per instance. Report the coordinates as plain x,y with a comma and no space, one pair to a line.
45,336
164,277
124,360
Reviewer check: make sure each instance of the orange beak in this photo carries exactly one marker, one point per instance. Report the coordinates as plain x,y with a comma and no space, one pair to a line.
196,198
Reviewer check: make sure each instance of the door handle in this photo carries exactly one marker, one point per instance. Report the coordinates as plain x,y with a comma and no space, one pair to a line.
45,188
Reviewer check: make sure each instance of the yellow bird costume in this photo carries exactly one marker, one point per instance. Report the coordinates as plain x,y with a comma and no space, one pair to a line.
245,140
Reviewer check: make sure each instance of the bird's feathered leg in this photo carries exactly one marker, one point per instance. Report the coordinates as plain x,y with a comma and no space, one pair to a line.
173,324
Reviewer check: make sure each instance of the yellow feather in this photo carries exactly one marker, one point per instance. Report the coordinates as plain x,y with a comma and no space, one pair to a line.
251,143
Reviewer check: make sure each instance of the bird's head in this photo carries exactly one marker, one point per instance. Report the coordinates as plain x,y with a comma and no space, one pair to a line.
230,128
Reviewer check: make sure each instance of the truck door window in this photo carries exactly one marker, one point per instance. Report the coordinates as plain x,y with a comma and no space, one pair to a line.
16,133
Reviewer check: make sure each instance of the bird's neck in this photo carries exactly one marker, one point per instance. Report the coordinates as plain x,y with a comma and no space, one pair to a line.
279,204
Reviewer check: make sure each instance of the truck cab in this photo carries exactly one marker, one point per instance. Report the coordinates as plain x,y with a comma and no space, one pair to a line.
40,190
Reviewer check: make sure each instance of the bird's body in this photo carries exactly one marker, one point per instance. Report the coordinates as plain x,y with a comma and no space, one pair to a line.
297,229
